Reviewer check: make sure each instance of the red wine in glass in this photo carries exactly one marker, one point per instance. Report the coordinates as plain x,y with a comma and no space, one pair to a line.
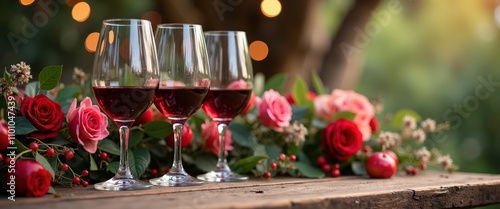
225,103
124,103
179,103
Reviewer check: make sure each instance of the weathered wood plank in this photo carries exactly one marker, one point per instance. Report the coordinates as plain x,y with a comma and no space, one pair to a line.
426,190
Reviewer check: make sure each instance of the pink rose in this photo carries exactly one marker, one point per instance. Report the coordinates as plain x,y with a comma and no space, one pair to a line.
87,124
210,134
326,106
274,110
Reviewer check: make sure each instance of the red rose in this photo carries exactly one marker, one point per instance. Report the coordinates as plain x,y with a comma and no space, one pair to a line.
31,179
44,114
341,140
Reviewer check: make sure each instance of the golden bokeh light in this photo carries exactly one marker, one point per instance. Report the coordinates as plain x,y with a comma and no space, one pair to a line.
270,8
26,2
258,50
111,37
91,42
81,11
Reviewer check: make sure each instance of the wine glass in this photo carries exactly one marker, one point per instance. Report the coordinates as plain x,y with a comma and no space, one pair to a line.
184,83
124,80
230,89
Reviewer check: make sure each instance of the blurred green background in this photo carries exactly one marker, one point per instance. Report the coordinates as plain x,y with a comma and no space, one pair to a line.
430,57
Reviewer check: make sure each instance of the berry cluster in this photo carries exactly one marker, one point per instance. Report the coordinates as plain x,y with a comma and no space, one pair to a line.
283,164
327,168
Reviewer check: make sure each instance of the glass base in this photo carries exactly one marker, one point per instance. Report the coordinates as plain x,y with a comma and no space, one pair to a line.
117,184
176,180
222,176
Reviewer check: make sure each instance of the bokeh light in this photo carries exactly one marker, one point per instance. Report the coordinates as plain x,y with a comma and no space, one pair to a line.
258,50
270,8
26,2
154,17
81,11
91,42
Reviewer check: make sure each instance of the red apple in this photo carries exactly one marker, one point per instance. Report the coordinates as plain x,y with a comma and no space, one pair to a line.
393,155
4,135
187,136
381,165
146,117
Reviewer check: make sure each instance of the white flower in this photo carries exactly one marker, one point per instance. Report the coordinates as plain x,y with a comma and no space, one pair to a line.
428,125
79,76
409,122
388,139
295,133
419,136
5,88
423,155
20,73
445,161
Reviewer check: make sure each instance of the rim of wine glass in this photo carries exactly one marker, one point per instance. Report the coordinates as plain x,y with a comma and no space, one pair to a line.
178,25
224,32
126,22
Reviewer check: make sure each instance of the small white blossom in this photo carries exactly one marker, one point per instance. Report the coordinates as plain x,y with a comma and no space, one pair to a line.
445,161
428,125
5,88
20,73
423,155
295,133
79,76
419,136
388,139
409,122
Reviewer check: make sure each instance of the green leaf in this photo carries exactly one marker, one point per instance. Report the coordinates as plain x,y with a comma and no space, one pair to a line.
51,190
49,77
273,150
317,83
293,149
358,168
397,120
299,91
109,146
309,171
276,82
20,146
299,112
205,162
241,135
67,93
259,83
138,161
93,165
159,129
113,167
135,137
344,114
53,162
41,159
23,126
59,140
3,106
32,88
245,165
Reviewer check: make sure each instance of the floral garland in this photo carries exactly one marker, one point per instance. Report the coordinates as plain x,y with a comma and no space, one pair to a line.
61,137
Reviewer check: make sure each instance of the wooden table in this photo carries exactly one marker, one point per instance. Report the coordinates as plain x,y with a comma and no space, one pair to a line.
426,190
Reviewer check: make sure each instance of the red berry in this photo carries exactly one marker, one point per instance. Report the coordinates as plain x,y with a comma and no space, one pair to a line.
154,172
85,183
103,156
293,158
33,146
423,166
282,157
335,173
326,168
69,154
273,166
85,173
380,165
336,166
1,157
64,167
367,149
76,180
50,152
267,175
321,160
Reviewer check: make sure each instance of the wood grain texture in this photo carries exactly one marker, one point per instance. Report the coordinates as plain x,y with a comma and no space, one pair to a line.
426,190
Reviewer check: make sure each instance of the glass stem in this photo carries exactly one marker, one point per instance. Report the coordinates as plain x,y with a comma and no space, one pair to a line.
124,170
222,162
177,164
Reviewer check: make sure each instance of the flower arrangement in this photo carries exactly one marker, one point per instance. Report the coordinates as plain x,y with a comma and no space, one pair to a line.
62,137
